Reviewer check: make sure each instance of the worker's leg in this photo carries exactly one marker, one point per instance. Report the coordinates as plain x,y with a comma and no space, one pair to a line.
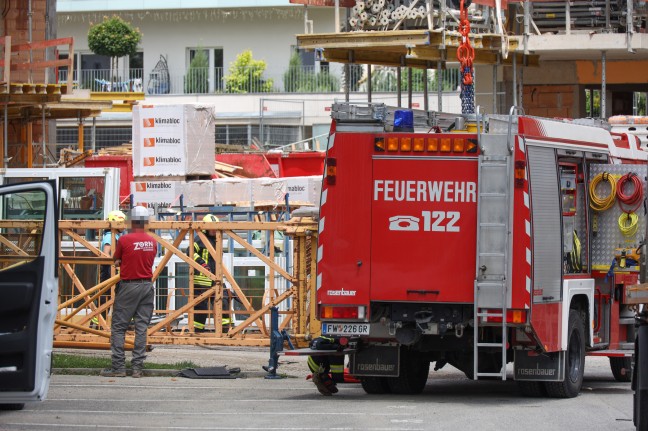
337,368
228,318
200,318
126,300
142,319
318,364
320,367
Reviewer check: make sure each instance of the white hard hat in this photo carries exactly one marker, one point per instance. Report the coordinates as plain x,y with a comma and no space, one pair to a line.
139,213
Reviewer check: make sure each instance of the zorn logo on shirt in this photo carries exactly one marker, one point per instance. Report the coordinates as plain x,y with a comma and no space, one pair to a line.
149,161
143,245
149,122
140,187
149,142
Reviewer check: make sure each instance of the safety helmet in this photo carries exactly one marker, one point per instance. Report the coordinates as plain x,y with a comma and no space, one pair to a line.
116,216
139,213
210,217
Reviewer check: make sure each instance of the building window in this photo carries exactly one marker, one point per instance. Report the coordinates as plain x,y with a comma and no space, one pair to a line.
212,76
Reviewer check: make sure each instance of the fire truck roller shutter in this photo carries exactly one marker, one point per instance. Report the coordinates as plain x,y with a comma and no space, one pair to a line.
546,222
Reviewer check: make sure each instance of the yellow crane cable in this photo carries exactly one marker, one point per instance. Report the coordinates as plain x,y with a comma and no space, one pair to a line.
602,203
628,223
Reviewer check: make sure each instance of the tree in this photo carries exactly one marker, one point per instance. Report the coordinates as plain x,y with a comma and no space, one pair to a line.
292,77
245,75
114,38
301,80
197,79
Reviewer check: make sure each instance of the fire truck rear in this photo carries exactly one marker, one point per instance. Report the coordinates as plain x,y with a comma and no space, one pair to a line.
477,242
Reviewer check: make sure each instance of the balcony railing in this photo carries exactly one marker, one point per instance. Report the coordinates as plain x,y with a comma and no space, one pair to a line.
293,80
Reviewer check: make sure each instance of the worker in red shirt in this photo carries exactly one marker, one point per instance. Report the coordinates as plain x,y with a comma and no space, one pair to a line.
134,255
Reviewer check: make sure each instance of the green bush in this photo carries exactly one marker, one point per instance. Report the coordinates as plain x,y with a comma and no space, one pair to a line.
246,75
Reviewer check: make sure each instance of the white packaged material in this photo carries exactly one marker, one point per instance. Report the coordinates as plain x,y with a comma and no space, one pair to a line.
232,190
268,190
172,140
160,194
304,190
197,193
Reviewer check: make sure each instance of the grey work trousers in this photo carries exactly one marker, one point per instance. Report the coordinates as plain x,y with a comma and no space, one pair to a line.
132,300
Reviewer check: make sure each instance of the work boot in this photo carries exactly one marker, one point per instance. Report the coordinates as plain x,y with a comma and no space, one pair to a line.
324,384
137,374
109,372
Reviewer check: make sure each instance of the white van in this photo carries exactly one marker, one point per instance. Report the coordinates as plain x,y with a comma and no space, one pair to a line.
29,290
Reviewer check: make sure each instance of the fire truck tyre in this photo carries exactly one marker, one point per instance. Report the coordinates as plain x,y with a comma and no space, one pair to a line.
532,389
640,401
12,406
375,385
574,361
412,377
621,368
640,380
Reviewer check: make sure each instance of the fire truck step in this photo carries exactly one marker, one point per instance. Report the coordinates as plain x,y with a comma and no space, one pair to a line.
495,284
493,254
490,315
498,345
489,374
627,321
626,346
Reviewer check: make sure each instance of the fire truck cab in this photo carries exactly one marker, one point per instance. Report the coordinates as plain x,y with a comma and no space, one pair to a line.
479,241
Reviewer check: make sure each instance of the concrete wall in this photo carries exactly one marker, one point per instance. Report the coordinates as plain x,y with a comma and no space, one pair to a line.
268,32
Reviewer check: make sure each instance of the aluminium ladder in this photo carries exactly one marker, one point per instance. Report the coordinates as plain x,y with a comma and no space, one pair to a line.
494,213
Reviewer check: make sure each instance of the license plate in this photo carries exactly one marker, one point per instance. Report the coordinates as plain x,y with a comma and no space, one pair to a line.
345,328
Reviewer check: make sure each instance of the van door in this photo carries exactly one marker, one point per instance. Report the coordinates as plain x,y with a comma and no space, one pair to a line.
29,290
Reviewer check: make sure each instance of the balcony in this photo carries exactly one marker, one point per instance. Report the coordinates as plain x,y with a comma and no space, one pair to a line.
299,80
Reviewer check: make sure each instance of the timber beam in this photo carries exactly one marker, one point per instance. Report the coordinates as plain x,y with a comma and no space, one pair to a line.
412,48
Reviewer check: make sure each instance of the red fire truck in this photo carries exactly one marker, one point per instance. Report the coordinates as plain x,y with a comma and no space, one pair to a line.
479,243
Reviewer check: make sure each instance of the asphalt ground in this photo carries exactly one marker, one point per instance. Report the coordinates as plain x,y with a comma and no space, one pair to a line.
248,359
449,402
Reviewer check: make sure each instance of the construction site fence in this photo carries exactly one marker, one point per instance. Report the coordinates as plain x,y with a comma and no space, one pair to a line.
259,265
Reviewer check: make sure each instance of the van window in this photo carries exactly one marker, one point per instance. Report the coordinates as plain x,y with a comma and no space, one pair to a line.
21,227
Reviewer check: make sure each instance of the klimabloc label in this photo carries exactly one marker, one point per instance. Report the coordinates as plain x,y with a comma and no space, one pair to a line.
154,193
162,140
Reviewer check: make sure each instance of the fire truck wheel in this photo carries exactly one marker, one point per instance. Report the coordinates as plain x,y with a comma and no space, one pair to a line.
413,375
621,368
375,385
532,389
640,398
574,361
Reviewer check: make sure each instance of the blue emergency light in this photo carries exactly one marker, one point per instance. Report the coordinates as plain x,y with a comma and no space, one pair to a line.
403,121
